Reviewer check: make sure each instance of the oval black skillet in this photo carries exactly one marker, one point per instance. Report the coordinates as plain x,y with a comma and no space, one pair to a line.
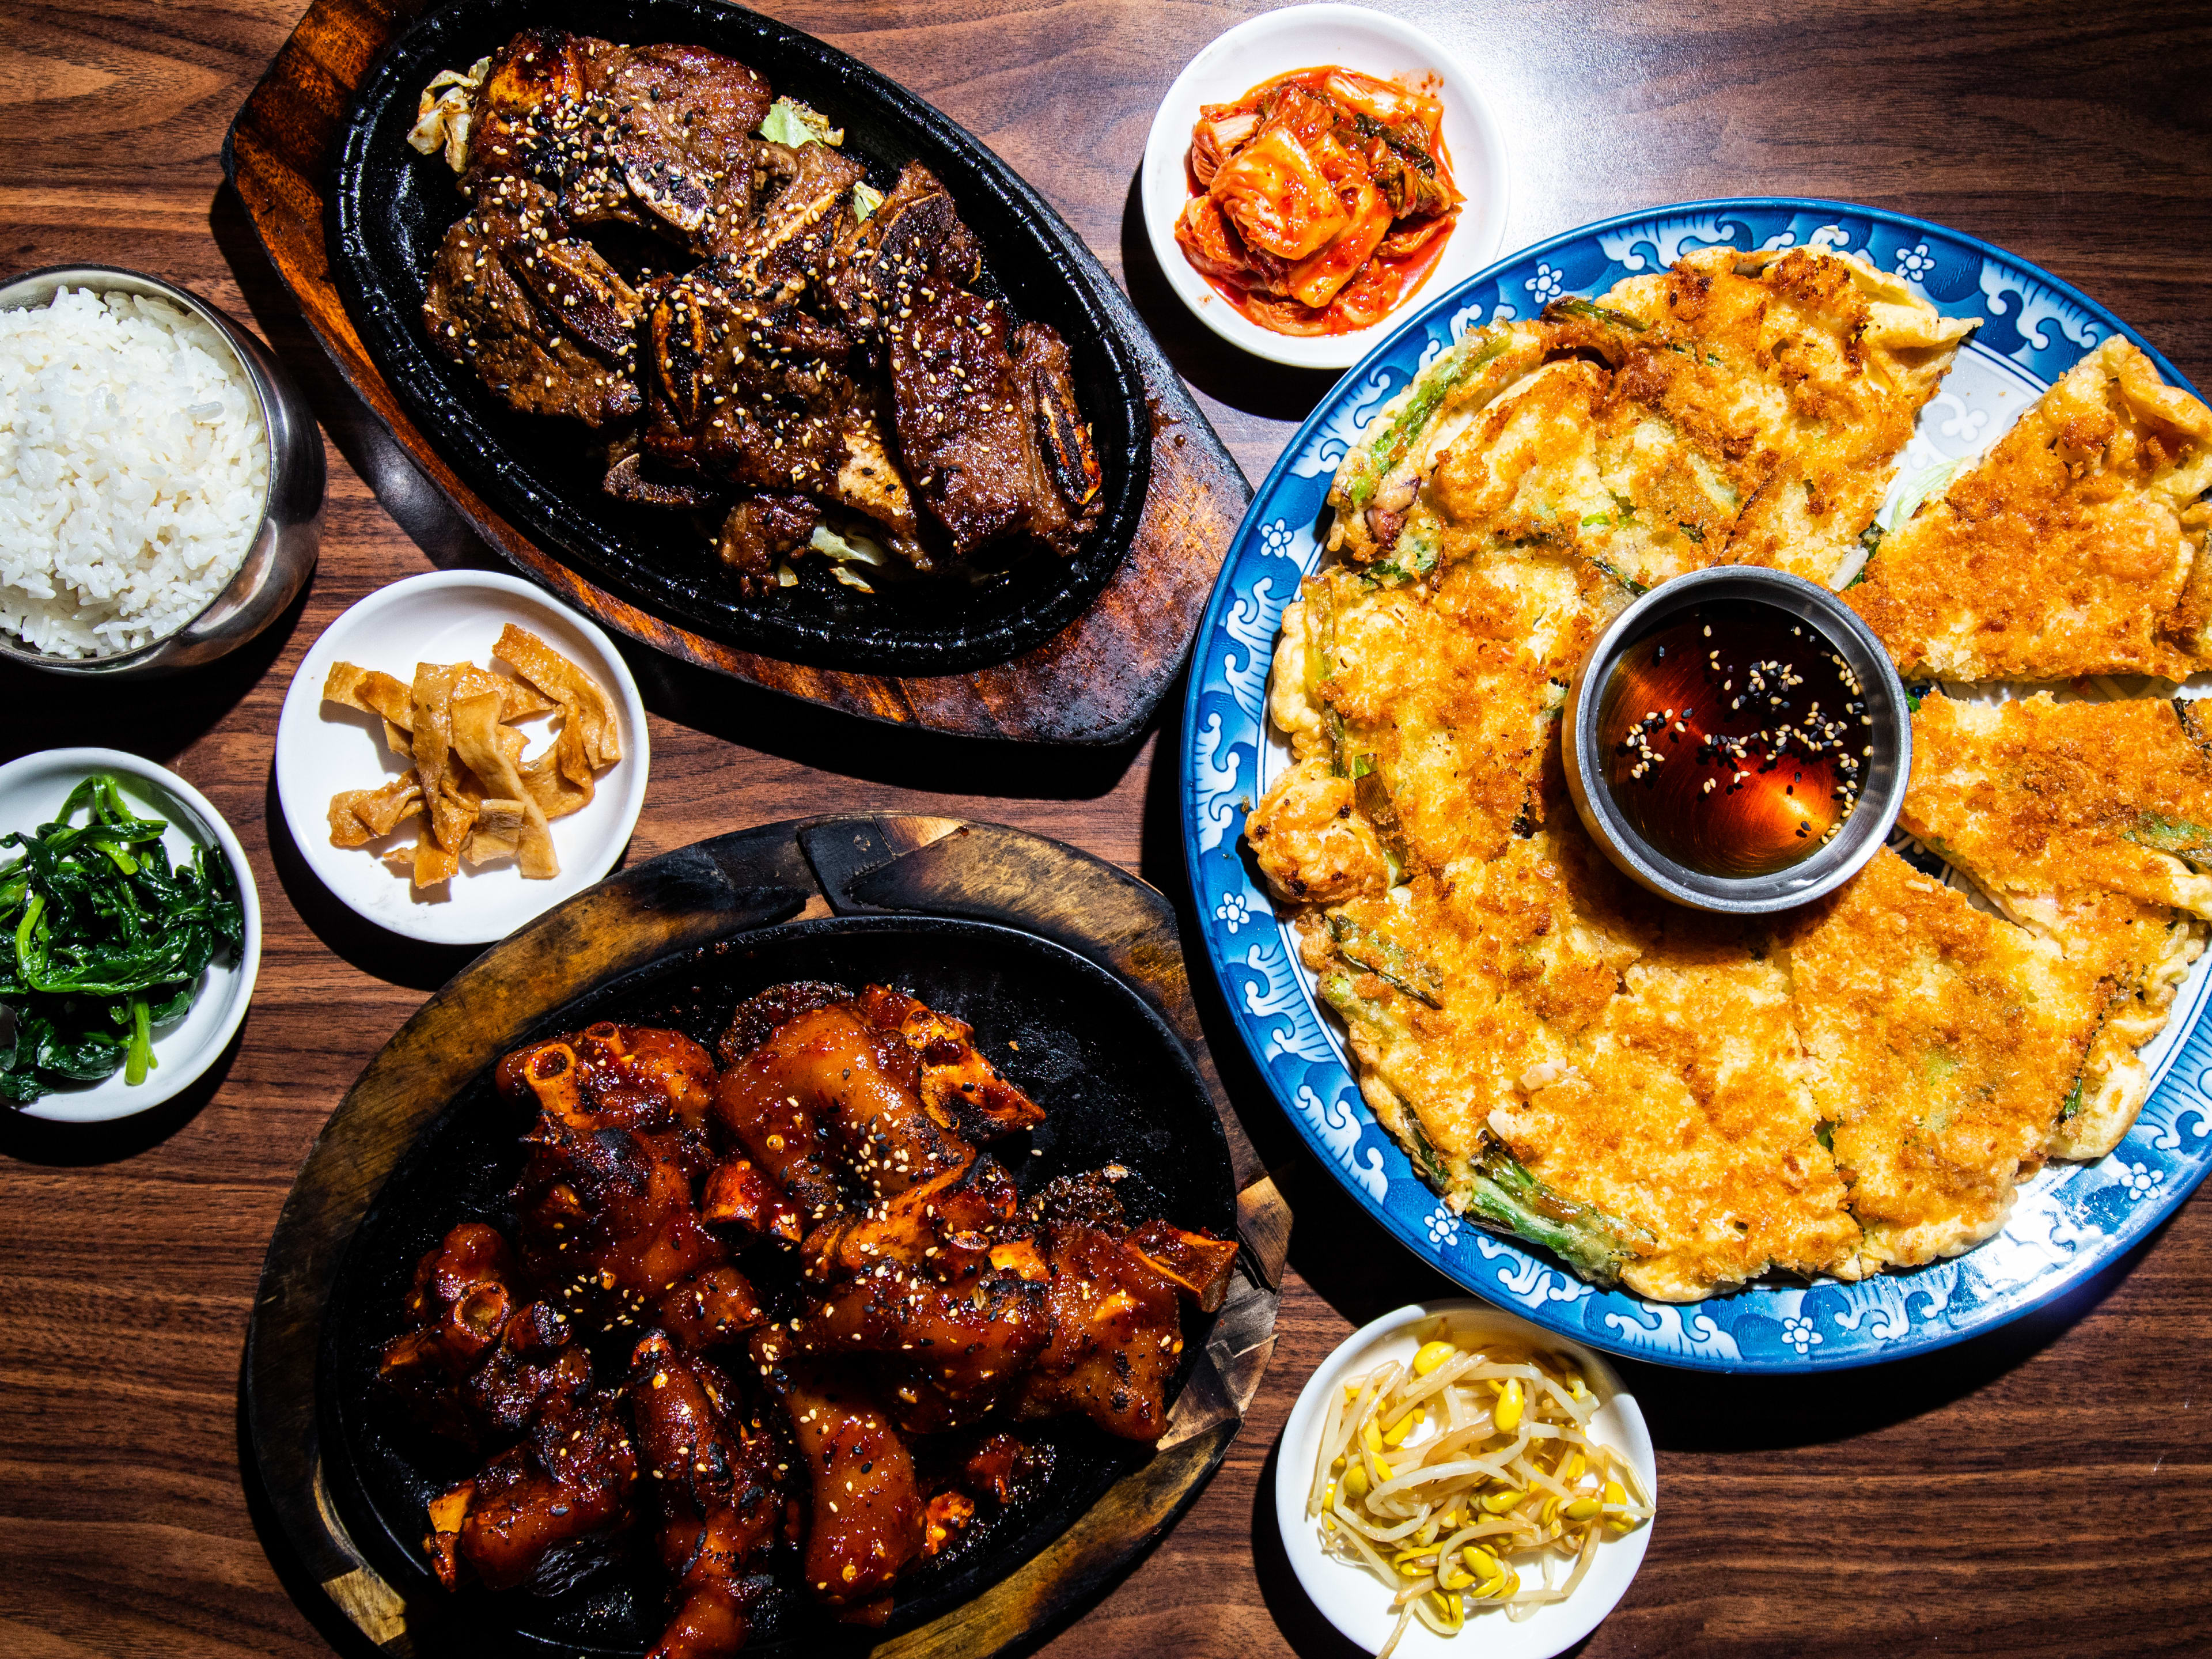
392,207
1092,1027
1117,1089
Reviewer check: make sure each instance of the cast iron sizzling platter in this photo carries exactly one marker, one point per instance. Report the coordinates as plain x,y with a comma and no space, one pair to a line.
1116,1085
393,207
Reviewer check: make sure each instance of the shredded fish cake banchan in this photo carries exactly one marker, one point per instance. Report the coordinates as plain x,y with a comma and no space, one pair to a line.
1466,1479
1679,1103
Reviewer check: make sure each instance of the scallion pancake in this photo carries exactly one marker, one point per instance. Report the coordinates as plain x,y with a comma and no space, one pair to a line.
1804,369
1740,408
2035,799
2075,546
2086,822
1662,1099
1943,1044
1684,1110
2141,953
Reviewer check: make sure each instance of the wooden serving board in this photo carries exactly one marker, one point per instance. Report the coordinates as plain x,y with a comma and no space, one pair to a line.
848,864
1095,682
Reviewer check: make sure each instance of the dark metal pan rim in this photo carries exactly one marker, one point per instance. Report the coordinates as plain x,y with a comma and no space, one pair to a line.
917,628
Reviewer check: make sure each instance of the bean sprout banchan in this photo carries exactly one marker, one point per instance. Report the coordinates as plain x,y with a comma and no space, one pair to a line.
1470,1479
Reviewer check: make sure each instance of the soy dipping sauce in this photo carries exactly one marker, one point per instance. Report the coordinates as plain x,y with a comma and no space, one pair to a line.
1735,738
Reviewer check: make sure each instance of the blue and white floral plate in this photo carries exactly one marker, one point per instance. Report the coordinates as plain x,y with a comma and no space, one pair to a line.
2069,1221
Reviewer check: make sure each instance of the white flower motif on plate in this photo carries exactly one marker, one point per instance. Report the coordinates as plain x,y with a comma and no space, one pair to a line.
1799,1334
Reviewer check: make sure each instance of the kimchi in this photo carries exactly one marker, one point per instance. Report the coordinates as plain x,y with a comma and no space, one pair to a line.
1323,197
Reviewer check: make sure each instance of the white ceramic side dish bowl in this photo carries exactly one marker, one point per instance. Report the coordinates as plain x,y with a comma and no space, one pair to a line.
1350,1599
31,791
447,616
1307,37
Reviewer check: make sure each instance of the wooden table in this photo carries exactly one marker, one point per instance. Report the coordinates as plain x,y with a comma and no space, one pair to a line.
2039,1491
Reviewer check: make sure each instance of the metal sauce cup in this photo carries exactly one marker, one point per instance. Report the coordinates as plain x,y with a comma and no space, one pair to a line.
1883,778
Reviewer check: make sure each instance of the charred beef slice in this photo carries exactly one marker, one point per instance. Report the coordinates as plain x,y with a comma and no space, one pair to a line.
547,324
656,136
762,529
984,412
765,394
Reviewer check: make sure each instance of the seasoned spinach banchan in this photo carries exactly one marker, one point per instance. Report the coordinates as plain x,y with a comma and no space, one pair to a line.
1682,1102
659,248
102,939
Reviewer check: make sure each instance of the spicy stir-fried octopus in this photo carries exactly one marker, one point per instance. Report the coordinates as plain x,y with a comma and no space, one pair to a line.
859,1435
758,334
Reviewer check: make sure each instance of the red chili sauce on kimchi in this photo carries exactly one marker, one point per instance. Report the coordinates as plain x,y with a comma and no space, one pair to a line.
1323,199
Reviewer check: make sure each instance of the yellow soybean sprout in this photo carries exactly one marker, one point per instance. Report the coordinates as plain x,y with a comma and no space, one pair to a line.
1493,1473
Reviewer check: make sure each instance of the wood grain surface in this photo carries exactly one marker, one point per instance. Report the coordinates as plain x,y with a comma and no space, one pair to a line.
2039,1491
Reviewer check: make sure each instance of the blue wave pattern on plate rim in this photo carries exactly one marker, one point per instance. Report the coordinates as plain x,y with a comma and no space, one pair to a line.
2074,1220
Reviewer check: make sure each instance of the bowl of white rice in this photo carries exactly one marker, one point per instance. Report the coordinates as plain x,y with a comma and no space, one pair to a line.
160,476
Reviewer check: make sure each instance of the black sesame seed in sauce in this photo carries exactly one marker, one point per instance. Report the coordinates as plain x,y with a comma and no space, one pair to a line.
1731,738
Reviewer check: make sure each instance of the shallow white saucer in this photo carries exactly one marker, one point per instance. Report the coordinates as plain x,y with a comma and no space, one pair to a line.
1306,37
447,616
1350,1599
31,791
